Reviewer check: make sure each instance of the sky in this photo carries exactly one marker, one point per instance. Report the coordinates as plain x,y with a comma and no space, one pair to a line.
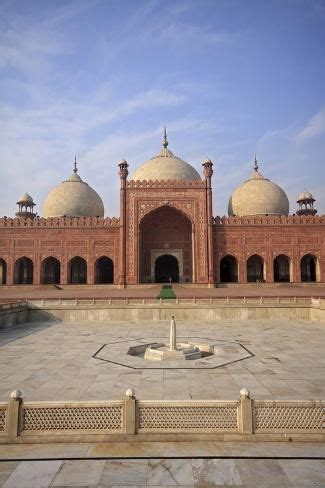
100,78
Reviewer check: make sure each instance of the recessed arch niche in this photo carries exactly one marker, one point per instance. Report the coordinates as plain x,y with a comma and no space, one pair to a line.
165,231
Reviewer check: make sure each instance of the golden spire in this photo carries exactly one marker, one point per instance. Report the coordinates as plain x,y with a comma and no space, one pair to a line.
165,142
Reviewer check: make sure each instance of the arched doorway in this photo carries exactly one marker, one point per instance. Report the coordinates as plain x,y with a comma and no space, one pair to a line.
228,269
3,272
50,271
281,269
255,269
308,268
104,270
23,271
77,271
165,231
166,269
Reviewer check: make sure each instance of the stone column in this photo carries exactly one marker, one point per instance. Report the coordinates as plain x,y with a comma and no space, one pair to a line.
63,271
13,415
268,268
37,270
246,421
123,173
130,412
172,335
208,172
10,271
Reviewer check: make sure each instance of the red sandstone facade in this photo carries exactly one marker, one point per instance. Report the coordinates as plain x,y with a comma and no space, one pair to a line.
166,232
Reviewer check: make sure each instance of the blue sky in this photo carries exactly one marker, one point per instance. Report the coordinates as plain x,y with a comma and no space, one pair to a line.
100,78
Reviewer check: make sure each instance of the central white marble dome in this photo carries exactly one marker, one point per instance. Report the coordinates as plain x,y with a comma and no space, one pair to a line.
165,166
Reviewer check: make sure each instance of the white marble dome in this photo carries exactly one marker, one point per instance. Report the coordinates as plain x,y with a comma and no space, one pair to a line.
305,195
258,196
73,198
165,166
26,198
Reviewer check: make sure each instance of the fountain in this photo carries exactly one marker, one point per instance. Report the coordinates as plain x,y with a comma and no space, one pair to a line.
193,352
176,351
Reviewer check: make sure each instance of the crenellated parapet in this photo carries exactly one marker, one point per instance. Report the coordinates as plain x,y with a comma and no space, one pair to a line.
60,222
269,220
165,184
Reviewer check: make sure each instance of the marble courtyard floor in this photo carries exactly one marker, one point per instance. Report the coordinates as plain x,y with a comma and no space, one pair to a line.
54,361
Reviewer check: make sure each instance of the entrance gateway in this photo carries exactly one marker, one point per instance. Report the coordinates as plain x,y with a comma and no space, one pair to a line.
167,265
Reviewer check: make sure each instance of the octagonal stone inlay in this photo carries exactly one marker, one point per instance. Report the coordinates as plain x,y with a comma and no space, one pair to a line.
120,352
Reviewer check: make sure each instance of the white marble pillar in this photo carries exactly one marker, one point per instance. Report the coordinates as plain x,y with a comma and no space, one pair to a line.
172,335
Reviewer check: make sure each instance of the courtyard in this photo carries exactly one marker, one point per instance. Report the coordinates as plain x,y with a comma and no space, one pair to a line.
60,361
50,361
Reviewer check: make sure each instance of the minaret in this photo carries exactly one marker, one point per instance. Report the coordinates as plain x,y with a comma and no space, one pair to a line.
306,204
123,173
26,207
208,172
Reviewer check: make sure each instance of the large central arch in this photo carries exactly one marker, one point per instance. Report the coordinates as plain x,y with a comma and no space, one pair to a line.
165,231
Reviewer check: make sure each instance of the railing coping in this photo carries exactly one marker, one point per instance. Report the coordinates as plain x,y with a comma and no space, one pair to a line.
72,404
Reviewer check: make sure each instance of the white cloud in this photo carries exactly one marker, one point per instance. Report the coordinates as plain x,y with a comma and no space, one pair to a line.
314,127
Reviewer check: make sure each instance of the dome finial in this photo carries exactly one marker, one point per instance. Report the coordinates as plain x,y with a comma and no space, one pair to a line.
75,169
255,164
165,143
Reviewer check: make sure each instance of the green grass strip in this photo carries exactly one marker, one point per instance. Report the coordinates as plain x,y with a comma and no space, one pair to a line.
166,292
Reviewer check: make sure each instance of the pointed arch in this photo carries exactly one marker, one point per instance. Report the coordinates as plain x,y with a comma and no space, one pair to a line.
229,269
281,269
3,272
23,271
255,269
77,271
309,268
166,269
166,230
104,270
50,271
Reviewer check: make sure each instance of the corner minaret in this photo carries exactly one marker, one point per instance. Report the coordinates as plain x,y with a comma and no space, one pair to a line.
208,172
306,204
26,207
123,173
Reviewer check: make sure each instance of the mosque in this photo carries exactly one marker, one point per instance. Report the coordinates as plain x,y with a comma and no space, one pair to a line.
166,232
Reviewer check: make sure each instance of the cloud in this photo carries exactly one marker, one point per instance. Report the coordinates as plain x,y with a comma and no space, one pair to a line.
314,127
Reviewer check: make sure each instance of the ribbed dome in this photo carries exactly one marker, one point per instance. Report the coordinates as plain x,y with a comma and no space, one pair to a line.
73,198
258,196
165,166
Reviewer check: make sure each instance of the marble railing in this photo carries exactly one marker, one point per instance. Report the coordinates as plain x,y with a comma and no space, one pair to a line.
242,419
254,301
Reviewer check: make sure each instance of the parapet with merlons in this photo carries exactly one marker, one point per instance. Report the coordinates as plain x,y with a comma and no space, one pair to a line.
165,184
270,220
60,222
